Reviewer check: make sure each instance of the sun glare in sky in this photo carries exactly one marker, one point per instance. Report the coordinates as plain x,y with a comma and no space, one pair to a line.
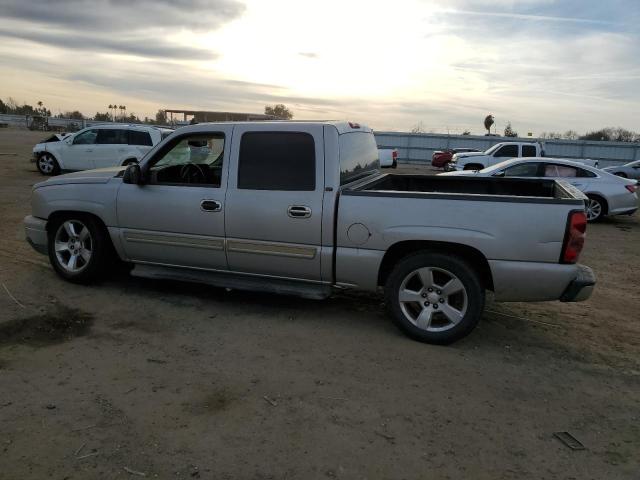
539,64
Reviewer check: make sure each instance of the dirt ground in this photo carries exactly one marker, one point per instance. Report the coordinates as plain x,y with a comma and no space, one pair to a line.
171,380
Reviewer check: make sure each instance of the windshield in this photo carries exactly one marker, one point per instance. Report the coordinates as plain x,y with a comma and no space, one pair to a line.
493,149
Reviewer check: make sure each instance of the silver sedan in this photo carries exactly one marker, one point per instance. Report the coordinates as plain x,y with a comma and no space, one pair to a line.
608,194
628,170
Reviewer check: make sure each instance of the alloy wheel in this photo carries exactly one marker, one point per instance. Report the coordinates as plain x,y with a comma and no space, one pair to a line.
433,299
594,209
46,163
73,246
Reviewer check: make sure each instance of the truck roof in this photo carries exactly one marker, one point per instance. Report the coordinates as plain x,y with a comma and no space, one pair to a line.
341,126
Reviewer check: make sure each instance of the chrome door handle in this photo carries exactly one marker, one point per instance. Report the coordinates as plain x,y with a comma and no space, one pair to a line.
298,211
210,206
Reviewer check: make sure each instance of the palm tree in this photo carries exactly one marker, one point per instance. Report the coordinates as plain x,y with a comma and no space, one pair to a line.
110,108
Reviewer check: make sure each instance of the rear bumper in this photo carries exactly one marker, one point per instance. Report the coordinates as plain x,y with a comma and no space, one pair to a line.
540,282
35,230
581,287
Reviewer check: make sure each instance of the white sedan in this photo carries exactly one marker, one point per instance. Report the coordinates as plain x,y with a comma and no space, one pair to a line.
608,194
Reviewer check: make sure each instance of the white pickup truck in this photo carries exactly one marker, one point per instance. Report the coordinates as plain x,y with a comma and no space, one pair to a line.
498,153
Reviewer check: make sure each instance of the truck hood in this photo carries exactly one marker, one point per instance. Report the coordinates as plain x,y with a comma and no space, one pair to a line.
101,175
469,154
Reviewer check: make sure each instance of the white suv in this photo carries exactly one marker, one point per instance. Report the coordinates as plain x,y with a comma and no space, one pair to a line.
97,147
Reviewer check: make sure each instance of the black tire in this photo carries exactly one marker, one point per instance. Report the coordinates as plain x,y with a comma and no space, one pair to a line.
591,213
100,247
458,267
47,164
473,166
129,161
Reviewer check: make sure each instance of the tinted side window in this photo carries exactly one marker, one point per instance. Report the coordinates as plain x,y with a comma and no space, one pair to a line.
358,156
522,170
86,138
528,151
585,173
111,136
277,161
507,151
136,137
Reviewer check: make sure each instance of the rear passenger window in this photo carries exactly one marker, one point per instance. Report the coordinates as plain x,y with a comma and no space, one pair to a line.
277,161
522,170
136,137
528,151
111,136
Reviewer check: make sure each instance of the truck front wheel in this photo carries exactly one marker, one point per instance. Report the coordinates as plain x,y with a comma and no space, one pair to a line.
78,248
434,298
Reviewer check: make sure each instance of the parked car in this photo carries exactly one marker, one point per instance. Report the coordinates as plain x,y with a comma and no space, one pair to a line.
440,158
302,208
628,170
96,147
388,157
608,194
495,154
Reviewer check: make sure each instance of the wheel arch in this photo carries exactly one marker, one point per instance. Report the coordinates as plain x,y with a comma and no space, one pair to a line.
602,199
58,214
401,249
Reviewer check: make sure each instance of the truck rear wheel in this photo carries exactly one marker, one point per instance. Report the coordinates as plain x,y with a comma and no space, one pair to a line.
434,298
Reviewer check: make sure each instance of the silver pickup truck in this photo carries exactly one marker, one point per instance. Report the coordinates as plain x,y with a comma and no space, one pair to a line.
302,208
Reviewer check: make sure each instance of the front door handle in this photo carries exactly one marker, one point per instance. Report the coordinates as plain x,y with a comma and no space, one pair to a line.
299,211
210,206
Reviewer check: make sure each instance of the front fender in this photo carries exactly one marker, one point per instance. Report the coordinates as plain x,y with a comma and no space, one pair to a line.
96,199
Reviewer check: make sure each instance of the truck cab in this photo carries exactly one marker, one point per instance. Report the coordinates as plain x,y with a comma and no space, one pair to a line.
497,153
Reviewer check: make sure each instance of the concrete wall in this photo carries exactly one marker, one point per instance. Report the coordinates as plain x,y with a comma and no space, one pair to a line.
417,148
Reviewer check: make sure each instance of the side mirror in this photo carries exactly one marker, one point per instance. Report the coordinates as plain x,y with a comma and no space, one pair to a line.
498,174
133,174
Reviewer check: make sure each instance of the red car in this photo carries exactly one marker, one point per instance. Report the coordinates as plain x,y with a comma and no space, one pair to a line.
441,157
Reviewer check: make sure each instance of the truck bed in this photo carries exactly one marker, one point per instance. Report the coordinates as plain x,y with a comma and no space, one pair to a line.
460,188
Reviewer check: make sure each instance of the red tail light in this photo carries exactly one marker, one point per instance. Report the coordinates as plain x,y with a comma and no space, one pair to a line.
631,188
574,236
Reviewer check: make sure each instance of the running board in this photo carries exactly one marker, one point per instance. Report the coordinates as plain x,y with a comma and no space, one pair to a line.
234,281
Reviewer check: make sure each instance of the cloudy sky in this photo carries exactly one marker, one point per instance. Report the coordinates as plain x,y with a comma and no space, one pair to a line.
543,65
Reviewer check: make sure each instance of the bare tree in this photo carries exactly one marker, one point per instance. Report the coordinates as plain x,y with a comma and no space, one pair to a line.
418,128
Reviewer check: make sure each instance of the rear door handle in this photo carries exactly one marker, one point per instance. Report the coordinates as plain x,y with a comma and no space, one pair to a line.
210,206
299,211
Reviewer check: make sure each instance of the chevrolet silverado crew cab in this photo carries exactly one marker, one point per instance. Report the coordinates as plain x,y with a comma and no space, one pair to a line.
302,208
495,154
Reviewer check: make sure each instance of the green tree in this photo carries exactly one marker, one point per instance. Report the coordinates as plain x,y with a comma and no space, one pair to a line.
161,117
279,110
102,117
76,115
509,131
